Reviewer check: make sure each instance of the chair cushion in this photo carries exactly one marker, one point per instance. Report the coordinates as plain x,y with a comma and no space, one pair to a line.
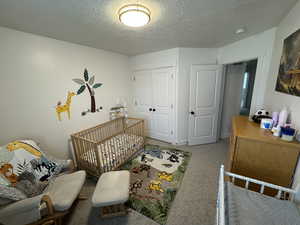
65,189
10,194
112,188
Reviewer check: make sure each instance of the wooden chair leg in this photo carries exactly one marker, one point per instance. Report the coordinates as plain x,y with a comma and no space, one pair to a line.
49,222
58,221
114,210
82,197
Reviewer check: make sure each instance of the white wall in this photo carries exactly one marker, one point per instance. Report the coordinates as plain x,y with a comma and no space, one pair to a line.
276,100
232,96
187,58
36,72
166,58
259,46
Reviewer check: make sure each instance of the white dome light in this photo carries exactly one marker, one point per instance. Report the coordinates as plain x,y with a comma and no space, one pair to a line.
134,15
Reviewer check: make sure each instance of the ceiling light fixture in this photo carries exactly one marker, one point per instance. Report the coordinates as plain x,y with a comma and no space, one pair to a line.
134,15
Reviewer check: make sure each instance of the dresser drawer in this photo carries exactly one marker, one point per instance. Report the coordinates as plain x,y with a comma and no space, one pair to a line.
264,161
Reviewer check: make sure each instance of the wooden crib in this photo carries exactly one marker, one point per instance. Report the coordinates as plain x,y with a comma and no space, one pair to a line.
107,146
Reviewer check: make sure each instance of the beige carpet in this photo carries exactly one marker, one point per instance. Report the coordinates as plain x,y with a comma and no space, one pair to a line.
194,203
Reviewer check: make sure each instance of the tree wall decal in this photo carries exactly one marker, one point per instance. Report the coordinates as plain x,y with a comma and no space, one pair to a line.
89,84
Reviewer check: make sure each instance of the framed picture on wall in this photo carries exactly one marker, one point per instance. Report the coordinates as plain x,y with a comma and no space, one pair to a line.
288,80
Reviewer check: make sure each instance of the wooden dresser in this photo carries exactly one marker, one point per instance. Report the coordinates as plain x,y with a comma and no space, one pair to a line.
256,153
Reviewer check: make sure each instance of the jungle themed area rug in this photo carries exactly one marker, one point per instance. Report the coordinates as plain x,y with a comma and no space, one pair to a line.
156,174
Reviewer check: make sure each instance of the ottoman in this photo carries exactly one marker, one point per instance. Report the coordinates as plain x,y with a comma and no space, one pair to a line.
111,192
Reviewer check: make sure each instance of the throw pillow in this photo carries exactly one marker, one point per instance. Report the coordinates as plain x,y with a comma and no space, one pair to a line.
25,168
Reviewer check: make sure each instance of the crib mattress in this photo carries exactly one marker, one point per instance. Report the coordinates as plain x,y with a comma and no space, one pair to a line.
245,207
113,148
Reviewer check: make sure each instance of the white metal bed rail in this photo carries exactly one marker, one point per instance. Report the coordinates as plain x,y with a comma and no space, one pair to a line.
281,191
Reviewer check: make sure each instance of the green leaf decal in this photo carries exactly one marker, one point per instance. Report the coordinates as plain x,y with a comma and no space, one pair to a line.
91,81
81,89
79,81
86,75
97,85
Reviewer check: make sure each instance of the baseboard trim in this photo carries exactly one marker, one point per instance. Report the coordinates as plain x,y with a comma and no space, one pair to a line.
225,135
182,142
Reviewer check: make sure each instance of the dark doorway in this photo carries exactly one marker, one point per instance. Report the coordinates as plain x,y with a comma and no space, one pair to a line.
238,91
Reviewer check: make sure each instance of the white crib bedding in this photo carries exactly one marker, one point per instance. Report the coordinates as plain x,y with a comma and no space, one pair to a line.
114,147
244,207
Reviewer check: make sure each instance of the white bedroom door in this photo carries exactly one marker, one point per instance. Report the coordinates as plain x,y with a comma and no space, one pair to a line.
142,87
205,90
162,113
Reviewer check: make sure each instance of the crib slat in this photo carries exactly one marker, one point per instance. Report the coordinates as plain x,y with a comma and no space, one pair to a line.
73,139
262,188
103,159
97,160
94,135
123,148
110,152
106,148
77,151
116,156
84,159
82,151
87,153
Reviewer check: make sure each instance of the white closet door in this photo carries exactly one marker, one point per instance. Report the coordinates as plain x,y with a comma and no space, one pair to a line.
205,88
162,114
143,98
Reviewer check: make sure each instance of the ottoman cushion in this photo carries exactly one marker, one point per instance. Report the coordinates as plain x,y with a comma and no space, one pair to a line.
112,188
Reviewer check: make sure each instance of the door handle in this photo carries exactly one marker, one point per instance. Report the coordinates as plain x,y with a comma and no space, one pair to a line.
192,113
150,109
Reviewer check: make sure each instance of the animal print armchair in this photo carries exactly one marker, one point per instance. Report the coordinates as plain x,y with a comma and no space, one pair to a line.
34,187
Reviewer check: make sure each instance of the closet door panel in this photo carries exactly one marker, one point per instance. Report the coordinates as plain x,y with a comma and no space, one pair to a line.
161,127
143,94
162,100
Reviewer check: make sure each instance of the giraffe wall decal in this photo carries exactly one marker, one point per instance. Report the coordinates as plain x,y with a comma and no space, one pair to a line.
66,107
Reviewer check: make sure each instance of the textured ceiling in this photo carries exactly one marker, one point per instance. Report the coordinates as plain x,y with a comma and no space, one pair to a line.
175,23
